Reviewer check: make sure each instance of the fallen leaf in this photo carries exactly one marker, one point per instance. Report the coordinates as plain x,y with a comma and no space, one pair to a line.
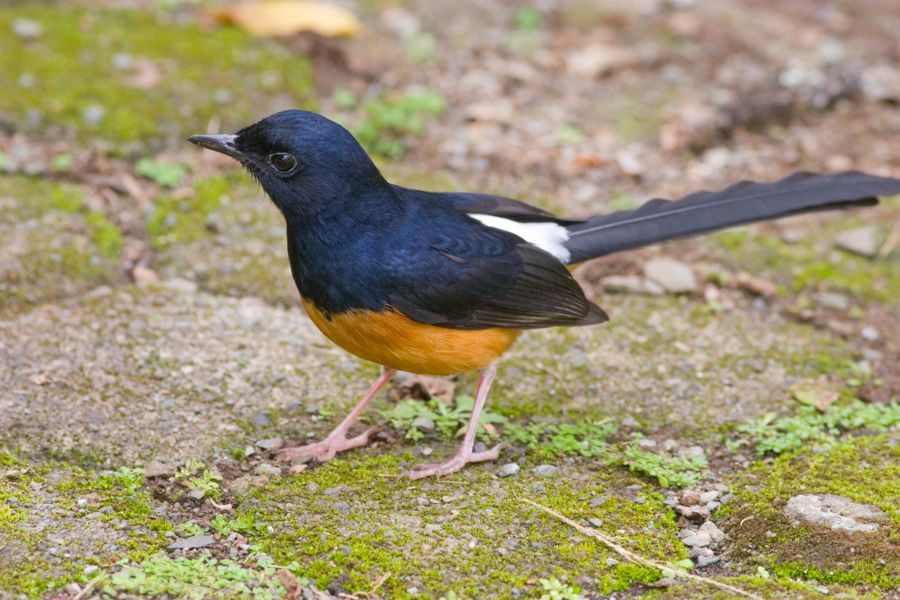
425,387
279,18
816,393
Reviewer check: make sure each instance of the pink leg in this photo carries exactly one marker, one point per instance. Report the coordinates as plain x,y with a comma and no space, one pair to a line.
465,455
337,440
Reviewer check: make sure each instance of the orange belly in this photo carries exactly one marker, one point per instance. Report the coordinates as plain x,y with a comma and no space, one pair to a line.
395,341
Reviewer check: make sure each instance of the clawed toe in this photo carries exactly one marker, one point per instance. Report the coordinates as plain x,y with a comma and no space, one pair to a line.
454,464
326,449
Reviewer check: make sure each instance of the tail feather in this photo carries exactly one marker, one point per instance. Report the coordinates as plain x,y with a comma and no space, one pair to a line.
746,202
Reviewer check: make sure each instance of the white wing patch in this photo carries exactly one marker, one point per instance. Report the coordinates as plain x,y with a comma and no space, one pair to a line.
549,237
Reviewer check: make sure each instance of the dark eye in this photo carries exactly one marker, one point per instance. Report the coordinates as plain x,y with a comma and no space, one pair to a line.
283,162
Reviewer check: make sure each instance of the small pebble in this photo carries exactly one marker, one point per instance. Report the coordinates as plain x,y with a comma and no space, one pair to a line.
423,424
270,444
544,470
508,470
267,469
870,334
705,561
91,569
611,562
594,521
27,29
94,114
427,451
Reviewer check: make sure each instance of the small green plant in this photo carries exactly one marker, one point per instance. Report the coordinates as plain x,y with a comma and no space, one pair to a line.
389,120
668,470
199,477
554,589
772,435
448,421
201,577
126,479
528,19
566,439
166,174
223,525
190,528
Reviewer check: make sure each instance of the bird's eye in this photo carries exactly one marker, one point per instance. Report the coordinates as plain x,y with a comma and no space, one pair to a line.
283,162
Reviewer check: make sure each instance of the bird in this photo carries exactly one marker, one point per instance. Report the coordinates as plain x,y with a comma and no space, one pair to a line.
443,283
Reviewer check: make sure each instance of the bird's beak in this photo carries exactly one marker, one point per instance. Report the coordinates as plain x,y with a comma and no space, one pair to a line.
223,143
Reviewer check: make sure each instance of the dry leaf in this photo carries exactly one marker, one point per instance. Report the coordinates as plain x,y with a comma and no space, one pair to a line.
816,393
278,18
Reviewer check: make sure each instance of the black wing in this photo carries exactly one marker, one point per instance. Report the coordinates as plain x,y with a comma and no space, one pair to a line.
464,275
487,204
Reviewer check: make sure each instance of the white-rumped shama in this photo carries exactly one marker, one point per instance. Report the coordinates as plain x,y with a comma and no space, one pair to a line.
443,283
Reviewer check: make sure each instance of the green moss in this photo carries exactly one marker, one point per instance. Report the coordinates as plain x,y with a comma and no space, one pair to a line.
352,521
72,67
864,469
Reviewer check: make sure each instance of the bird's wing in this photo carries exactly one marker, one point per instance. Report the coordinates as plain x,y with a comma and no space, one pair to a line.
479,278
487,204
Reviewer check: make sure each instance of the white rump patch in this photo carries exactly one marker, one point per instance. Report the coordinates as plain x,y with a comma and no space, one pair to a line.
549,237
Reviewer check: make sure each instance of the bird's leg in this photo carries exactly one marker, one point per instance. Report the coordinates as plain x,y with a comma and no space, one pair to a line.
465,454
337,440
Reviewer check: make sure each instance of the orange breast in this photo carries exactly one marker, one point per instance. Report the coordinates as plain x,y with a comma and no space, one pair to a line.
395,341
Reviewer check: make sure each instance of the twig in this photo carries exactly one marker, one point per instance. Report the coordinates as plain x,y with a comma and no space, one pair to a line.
636,558
559,379
89,586
891,242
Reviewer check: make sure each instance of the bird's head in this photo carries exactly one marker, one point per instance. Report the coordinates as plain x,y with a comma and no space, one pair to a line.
303,161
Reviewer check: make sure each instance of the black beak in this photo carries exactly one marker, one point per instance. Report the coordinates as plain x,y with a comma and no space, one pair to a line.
223,143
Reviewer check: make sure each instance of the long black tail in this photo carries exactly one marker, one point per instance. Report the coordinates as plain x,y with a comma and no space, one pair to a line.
746,202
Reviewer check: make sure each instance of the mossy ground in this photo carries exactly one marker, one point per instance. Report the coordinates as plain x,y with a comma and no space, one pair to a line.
100,377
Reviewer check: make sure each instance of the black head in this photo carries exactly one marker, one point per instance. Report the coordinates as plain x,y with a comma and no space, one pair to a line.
303,161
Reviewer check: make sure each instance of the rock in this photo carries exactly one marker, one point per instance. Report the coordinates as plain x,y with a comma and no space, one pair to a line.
144,276
836,512
544,470
756,285
697,539
611,562
862,241
93,114
674,276
833,300
267,469
269,444
689,498
630,284
716,535
693,513
692,452
193,542
91,569
155,468
881,83
597,60
197,494
707,497
244,484
596,522
870,334
705,561
423,424
27,29
508,470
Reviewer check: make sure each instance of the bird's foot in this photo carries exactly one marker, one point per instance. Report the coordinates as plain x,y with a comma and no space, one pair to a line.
337,441
456,463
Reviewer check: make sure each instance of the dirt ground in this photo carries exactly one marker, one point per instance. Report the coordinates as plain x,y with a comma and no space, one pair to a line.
740,437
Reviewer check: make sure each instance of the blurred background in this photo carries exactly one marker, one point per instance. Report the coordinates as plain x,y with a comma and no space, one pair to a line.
147,311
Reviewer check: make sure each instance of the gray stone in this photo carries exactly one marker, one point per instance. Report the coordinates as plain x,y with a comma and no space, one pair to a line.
423,424
611,562
596,522
870,334
93,114
835,512
862,240
833,300
193,542
697,538
508,470
881,83
716,535
674,276
155,468
267,469
544,470
27,29
270,444
705,561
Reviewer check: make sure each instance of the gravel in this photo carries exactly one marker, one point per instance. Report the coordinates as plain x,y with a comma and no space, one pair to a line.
193,542
674,276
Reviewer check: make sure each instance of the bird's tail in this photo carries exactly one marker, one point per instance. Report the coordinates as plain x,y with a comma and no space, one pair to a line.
746,202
